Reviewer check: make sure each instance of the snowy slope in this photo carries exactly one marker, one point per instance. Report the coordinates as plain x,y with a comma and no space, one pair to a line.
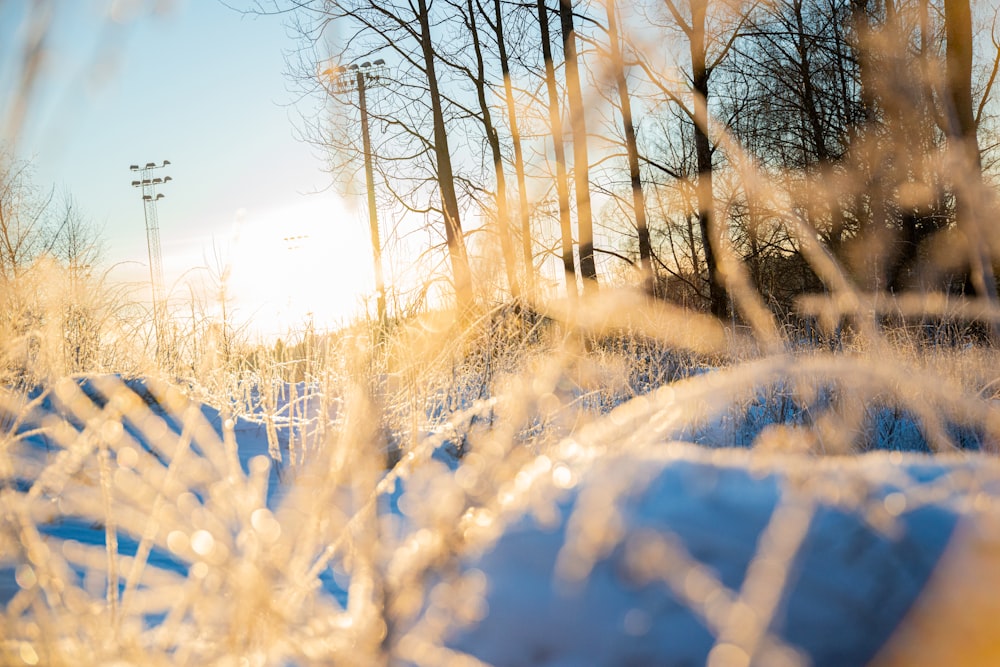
599,552
686,555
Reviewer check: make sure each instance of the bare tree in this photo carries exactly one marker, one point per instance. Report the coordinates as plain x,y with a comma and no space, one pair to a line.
412,121
789,92
555,126
73,240
524,213
962,134
625,104
478,78
445,175
693,23
22,217
87,307
581,161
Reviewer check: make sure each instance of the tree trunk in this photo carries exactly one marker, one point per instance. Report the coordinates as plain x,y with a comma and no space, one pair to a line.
581,161
638,203
555,124
962,135
958,30
446,179
503,215
515,136
710,236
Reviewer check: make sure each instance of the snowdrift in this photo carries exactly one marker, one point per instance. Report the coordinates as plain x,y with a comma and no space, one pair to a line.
687,556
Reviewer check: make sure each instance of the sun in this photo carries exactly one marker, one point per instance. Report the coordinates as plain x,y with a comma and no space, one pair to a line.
308,263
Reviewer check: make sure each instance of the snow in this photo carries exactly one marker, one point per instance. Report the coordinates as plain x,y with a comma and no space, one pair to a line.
609,554
852,578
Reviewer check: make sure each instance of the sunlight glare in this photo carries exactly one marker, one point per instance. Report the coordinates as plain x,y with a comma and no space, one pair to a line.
306,262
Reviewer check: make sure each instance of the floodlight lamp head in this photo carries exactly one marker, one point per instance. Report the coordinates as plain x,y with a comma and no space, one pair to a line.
167,178
366,64
352,66
160,196
134,167
157,180
379,62
166,162
136,184
146,197
150,165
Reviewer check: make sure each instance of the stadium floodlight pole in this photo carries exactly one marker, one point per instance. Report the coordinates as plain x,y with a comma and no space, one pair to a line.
358,78
147,182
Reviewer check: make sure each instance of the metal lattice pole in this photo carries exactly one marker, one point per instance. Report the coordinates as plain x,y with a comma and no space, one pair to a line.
148,183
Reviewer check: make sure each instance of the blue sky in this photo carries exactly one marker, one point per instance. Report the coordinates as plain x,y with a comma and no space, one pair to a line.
203,86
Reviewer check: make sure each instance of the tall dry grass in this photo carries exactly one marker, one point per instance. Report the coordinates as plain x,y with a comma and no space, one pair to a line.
319,502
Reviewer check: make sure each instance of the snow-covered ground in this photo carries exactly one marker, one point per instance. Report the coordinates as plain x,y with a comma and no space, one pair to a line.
688,556
594,553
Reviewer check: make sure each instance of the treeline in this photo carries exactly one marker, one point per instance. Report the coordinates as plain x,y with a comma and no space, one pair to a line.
61,310
711,146
58,314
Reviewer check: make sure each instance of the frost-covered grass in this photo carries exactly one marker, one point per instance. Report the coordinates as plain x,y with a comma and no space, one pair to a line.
615,481
512,492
